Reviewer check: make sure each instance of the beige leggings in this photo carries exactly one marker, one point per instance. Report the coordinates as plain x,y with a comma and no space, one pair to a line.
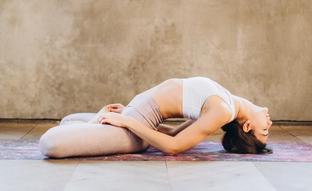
74,136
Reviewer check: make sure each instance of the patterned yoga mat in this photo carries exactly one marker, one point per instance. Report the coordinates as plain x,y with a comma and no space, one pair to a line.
205,151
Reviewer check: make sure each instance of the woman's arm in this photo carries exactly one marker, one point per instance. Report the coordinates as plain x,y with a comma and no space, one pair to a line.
205,125
173,130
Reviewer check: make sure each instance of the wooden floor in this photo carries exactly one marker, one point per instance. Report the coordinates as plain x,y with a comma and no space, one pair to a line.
86,175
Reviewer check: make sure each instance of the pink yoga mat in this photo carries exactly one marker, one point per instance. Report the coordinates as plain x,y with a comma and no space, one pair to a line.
205,151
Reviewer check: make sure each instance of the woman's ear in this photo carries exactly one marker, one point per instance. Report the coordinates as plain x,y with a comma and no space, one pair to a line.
247,126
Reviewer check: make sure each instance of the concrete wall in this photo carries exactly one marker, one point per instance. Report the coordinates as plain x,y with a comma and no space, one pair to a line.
60,57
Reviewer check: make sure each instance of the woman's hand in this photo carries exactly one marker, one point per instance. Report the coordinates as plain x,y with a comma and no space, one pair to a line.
115,107
115,119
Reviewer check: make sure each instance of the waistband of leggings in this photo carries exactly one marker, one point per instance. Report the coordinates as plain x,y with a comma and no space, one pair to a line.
156,111
148,109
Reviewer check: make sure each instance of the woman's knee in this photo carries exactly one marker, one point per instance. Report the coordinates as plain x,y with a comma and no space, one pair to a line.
76,117
70,117
49,145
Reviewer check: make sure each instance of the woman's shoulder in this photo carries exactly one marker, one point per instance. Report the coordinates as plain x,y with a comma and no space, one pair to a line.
215,105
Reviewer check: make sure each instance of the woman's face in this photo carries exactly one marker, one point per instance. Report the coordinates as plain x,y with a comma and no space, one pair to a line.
260,123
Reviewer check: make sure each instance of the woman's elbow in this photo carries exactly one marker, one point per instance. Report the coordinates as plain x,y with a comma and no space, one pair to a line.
173,150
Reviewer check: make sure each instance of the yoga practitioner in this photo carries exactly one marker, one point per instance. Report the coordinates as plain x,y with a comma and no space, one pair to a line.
207,105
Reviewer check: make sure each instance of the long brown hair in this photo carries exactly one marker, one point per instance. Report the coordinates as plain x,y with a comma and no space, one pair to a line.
235,140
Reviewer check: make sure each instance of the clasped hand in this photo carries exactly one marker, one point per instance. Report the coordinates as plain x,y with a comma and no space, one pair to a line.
113,116
114,107
115,119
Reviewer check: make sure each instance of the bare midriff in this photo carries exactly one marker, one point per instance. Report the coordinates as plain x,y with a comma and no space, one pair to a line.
168,95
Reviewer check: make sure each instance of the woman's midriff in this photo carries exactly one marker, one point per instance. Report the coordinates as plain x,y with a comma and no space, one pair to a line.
168,95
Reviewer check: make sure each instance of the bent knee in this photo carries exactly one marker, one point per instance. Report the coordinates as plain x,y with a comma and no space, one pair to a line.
49,146
77,118
68,118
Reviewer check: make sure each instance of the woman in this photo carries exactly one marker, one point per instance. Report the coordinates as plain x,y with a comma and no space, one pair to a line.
118,129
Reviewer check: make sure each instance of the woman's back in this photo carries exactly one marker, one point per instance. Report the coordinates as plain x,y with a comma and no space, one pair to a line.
184,97
168,95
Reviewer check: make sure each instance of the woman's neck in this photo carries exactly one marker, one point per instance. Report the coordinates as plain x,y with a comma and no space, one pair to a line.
245,108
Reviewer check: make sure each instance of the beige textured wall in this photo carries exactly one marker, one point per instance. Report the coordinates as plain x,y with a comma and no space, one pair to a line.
60,57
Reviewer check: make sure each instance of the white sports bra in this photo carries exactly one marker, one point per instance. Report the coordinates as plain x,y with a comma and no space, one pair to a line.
195,92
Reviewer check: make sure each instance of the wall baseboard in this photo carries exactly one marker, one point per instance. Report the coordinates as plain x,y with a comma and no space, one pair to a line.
291,122
33,120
